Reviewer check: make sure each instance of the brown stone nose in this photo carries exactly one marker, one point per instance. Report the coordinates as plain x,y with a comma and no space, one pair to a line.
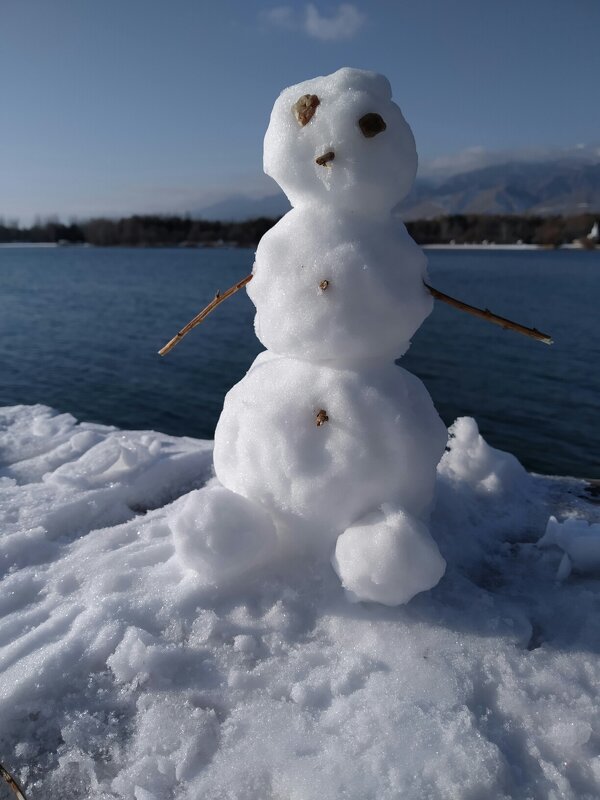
324,160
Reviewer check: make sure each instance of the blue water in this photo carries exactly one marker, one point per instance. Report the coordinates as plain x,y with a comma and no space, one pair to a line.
80,327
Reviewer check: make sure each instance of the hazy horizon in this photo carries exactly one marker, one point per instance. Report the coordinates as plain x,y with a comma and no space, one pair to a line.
139,108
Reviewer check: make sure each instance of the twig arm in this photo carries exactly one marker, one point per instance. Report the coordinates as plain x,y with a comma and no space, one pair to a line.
5,774
486,314
445,298
217,300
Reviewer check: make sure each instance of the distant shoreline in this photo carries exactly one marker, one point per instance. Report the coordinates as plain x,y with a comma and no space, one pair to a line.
233,246
459,231
493,246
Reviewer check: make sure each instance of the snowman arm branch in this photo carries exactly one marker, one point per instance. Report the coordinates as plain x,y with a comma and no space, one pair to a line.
217,300
445,298
5,774
486,314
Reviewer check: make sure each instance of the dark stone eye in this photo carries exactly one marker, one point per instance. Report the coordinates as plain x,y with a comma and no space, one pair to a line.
305,107
371,125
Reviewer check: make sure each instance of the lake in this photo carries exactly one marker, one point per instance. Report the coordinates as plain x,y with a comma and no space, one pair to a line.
80,329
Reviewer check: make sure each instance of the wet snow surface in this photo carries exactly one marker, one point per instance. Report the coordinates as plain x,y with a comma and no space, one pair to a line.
122,675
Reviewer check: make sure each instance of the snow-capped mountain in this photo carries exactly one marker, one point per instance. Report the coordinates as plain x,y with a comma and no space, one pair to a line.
563,186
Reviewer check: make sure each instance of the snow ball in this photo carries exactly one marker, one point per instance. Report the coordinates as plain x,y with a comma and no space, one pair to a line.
326,286
221,535
349,118
388,558
382,441
580,542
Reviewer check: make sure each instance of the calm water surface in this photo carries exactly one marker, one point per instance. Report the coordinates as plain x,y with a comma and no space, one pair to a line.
80,327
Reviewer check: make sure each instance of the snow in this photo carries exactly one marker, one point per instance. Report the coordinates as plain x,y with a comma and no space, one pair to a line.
322,479
375,299
124,674
240,536
371,173
388,558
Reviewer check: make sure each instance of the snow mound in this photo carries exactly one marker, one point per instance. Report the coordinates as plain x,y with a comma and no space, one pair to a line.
124,675
470,460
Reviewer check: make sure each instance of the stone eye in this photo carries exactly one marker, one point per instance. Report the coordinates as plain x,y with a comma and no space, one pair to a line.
305,107
371,125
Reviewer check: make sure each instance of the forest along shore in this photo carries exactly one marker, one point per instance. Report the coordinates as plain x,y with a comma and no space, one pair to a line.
175,231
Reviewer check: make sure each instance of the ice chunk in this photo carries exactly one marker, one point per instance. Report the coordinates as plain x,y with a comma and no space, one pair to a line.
370,171
388,557
130,659
580,541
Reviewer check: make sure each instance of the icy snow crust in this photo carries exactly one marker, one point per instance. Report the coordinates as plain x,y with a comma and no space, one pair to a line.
123,674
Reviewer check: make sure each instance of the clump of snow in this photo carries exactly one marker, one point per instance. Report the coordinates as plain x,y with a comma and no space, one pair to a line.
124,675
471,477
471,459
580,542
237,536
387,557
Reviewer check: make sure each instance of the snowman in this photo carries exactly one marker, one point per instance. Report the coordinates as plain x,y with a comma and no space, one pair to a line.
326,447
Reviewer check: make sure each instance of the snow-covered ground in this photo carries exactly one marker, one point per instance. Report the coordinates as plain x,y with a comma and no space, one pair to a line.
123,676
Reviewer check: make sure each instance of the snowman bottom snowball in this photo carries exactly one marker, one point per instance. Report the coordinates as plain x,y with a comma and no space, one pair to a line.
353,481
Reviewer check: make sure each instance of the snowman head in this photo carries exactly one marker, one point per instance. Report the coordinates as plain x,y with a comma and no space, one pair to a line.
340,140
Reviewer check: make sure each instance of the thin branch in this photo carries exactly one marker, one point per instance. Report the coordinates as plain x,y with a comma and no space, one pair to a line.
487,315
217,300
5,774
445,298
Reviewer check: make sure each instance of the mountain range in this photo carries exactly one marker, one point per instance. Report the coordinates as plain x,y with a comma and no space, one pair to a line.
564,186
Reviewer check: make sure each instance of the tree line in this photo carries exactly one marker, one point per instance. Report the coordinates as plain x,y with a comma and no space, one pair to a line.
150,230
503,229
171,231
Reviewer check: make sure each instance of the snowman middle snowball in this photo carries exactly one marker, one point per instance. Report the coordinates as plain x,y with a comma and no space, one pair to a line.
326,438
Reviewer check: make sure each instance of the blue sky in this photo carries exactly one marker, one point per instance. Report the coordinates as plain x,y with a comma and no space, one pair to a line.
117,106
